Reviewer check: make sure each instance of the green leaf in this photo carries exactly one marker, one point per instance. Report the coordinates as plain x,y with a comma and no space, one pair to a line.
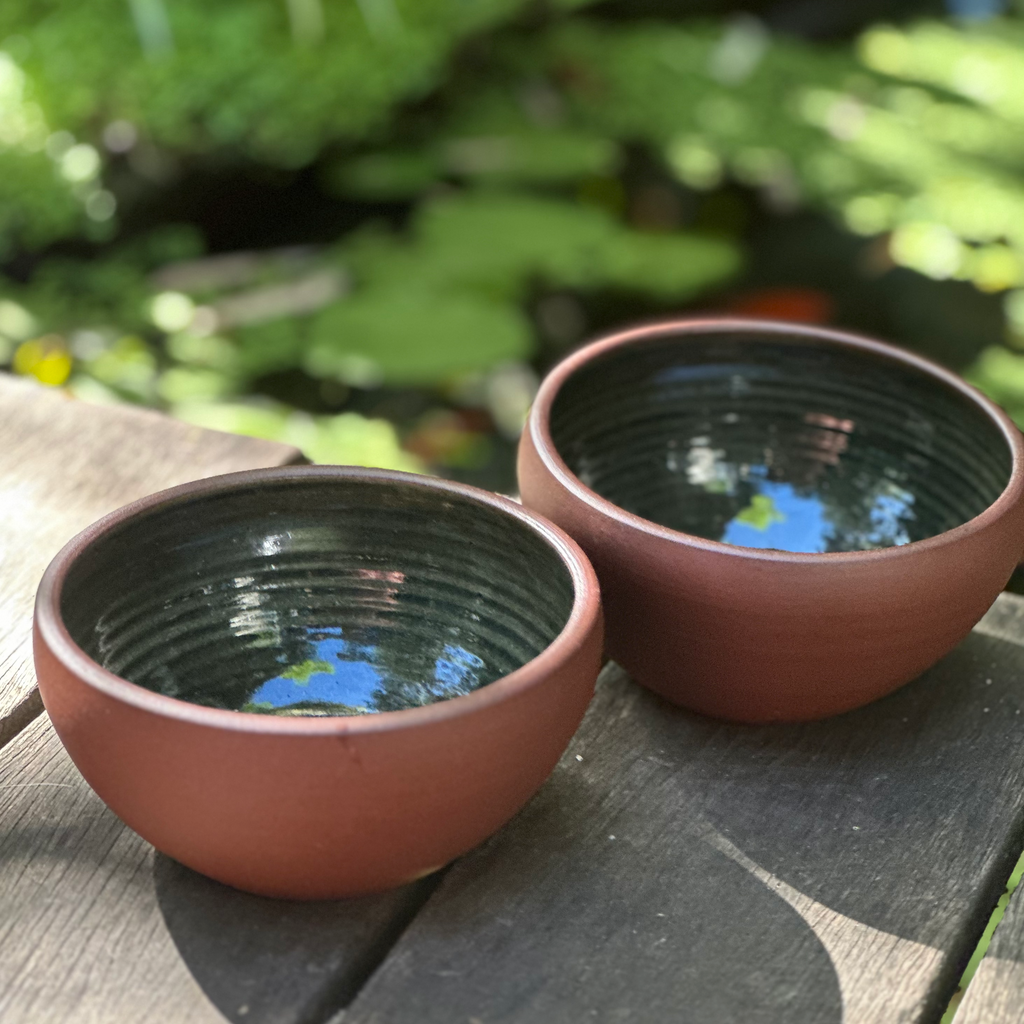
272,346
346,439
1000,374
302,672
385,175
193,384
236,418
760,513
499,243
524,157
416,336
670,266
349,439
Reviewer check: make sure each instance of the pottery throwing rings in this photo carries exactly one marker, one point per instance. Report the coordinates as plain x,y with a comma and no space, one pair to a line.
317,681
787,521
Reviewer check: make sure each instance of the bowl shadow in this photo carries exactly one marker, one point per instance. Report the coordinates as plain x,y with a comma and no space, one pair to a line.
268,961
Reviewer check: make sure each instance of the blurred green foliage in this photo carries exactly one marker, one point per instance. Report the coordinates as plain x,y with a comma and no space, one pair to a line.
503,134
276,79
912,131
446,297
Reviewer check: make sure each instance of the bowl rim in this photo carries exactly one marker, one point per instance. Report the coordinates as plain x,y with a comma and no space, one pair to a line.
539,429
584,617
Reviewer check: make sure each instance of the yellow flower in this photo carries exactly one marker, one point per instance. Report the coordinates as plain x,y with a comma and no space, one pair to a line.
46,358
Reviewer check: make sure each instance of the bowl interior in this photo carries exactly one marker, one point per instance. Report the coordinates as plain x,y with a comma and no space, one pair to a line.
314,596
770,441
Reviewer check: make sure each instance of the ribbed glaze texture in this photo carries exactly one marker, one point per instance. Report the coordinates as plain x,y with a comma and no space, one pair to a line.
318,597
774,443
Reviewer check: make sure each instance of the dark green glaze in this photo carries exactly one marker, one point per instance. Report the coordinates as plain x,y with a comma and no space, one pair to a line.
318,597
766,442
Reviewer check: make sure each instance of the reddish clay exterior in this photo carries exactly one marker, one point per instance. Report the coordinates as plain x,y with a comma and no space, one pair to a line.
327,807
760,636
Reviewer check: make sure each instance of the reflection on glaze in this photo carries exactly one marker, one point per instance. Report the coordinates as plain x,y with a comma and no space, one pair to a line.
824,511
342,677
758,439
789,486
778,517
320,597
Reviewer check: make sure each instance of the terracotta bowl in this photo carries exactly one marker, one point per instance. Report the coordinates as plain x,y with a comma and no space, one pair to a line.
320,681
786,521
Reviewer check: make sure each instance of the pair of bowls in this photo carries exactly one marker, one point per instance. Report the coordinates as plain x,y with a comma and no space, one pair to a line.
321,681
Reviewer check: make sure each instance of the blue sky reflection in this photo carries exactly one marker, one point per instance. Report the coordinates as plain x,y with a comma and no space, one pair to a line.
342,677
799,523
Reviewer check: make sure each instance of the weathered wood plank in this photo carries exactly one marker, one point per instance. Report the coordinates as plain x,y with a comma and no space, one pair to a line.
996,992
679,869
1004,619
97,929
65,463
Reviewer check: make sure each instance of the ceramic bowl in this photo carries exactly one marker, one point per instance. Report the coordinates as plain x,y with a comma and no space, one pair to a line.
317,681
786,521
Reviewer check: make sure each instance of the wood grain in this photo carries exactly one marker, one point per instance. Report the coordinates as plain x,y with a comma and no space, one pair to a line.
96,928
996,992
65,463
679,869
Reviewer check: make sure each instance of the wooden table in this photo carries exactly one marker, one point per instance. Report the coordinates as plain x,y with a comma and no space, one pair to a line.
673,869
